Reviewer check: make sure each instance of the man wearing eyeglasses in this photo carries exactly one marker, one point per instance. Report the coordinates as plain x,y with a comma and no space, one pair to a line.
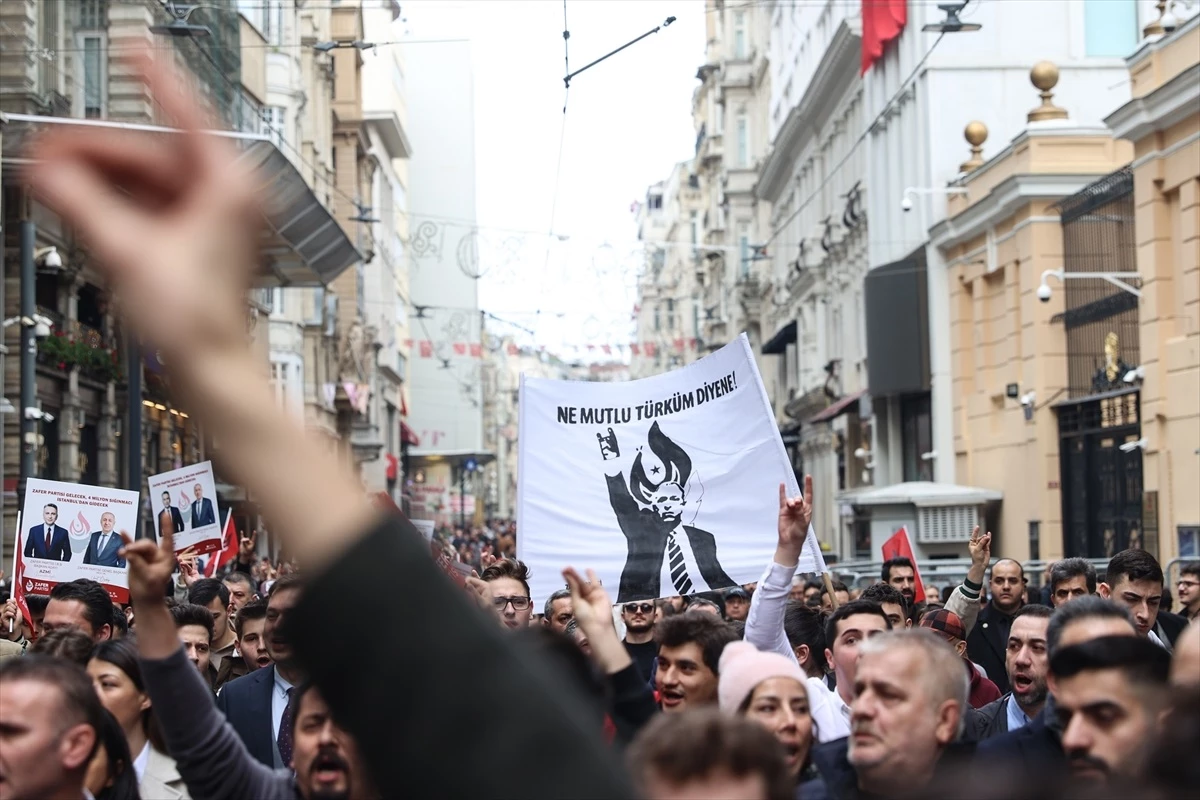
1189,590
508,579
638,617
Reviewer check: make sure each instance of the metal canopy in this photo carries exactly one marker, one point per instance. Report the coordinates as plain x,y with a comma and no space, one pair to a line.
301,245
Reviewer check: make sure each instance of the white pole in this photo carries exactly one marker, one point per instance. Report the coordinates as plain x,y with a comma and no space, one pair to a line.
16,553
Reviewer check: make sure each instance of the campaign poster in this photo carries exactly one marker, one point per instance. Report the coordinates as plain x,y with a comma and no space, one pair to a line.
184,501
665,486
70,531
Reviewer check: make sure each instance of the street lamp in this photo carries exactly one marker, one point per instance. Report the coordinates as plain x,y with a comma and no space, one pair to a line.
906,203
358,44
1115,278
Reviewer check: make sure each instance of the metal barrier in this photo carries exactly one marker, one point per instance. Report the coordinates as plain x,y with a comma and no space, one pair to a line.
942,572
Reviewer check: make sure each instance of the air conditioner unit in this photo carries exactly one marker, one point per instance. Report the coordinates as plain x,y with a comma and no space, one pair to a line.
946,524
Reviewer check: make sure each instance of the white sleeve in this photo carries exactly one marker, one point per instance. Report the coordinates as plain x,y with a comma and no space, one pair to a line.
764,623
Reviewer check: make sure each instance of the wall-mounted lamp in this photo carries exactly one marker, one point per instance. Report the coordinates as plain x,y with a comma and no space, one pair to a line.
1135,374
1115,278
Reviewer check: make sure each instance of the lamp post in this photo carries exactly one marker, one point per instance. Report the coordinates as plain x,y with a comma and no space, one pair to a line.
28,354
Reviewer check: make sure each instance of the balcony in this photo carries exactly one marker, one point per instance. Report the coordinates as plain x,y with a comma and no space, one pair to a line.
738,73
74,345
740,180
711,149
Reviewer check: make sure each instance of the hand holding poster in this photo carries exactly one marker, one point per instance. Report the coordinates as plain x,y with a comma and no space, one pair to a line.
184,501
71,531
664,486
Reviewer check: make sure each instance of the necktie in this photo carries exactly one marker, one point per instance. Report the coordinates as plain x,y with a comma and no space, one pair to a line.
679,576
285,733
103,543
49,537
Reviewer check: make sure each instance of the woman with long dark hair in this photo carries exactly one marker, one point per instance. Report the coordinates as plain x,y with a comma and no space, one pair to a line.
110,774
118,678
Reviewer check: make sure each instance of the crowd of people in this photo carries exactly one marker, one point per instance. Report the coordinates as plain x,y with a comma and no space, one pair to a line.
371,674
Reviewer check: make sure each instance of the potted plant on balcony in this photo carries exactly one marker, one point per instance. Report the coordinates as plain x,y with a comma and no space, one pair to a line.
64,352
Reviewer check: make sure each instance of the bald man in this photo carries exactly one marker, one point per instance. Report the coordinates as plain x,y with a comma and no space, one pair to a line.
987,644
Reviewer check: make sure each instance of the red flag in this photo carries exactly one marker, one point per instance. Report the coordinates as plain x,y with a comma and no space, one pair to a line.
882,21
607,348
513,350
651,348
476,350
898,547
408,344
230,543
460,348
636,349
426,348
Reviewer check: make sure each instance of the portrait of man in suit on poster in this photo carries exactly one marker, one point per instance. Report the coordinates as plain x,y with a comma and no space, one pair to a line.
202,509
104,545
170,518
48,540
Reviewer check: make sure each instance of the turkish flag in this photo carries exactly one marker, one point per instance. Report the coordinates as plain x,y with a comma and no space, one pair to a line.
230,542
426,348
476,350
460,348
882,21
898,547
636,349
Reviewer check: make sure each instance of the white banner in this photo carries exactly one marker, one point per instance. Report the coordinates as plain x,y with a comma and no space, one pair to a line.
71,531
665,486
186,499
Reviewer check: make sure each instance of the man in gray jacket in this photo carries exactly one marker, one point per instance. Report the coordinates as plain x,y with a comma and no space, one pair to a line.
209,755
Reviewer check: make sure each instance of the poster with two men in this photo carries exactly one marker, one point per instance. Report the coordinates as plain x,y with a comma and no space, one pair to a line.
664,486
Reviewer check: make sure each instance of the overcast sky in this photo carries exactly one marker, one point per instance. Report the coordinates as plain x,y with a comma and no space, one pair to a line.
628,121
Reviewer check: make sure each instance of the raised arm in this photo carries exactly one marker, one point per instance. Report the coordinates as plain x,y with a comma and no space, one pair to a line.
173,220
764,623
964,600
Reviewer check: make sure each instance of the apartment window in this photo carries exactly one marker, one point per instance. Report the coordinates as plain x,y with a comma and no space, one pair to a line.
657,319
272,21
402,365
695,228
670,314
93,64
743,240
739,34
719,123
743,140
274,120
277,305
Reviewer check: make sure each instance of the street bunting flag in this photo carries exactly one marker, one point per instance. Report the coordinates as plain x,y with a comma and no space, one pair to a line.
186,500
230,545
69,531
665,486
898,546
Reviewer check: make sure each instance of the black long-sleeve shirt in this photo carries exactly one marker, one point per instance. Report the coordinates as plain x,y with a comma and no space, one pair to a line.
441,703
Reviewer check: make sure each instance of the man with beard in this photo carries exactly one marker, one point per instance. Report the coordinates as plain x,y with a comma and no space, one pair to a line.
256,705
207,753
638,617
901,575
988,641
1110,695
1027,663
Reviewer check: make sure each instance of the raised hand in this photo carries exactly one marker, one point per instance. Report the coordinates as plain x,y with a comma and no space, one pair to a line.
172,220
590,603
150,567
795,515
980,547
246,547
481,592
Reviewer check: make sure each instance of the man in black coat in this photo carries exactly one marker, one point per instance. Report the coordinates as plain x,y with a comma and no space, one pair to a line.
988,641
1134,580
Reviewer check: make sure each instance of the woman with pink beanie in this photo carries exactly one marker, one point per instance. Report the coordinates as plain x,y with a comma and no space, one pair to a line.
769,689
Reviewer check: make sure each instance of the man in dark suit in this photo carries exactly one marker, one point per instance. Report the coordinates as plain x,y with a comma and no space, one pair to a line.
1134,580
104,546
256,704
650,515
170,516
48,540
987,643
202,509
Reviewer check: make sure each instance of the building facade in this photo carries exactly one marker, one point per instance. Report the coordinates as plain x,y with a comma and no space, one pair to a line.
113,418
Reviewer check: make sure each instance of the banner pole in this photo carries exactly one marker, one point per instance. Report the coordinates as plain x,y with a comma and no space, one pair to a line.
16,553
829,588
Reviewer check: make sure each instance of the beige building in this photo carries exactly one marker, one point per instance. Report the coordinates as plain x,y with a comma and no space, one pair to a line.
1075,395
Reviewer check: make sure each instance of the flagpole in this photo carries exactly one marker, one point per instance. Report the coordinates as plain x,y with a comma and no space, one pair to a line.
16,552
829,588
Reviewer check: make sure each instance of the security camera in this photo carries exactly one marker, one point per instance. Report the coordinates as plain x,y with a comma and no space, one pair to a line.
1129,447
48,258
906,204
1135,374
1043,293
1168,21
37,413
42,326
1027,399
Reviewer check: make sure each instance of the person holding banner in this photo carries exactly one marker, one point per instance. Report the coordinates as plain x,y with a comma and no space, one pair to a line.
48,540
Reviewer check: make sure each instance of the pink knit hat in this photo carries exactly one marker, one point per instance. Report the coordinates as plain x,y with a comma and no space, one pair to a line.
744,667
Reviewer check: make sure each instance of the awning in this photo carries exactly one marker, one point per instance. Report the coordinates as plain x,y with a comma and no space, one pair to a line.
408,436
778,343
837,409
922,494
302,244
